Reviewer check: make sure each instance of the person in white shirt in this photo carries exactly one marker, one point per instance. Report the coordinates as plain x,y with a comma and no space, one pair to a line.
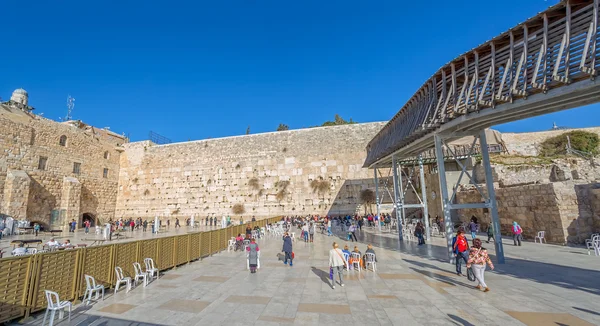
336,264
20,250
52,243
329,227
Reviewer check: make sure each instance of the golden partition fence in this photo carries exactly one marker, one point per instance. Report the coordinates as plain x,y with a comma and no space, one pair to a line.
24,279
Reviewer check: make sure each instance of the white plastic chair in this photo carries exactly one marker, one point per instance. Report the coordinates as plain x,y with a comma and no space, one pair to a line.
257,260
246,244
347,259
293,236
370,260
540,235
589,243
32,251
121,279
231,245
150,268
54,304
139,274
356,261
90,288
593,244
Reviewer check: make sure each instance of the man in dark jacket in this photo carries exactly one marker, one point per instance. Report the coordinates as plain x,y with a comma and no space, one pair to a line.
287,248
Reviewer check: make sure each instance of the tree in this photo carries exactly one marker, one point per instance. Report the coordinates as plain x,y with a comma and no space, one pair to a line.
283,127
248,130
367,197
337,121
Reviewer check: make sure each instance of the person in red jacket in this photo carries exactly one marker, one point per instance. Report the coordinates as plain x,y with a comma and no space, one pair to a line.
460,246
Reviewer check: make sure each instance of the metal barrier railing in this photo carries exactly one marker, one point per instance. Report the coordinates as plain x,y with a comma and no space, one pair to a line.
24,279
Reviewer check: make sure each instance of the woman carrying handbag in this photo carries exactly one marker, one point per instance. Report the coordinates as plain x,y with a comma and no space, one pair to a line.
336,264
478,258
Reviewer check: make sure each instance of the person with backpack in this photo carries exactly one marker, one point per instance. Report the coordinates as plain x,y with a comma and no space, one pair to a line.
287,249
517,233
478,258
419,233
460,247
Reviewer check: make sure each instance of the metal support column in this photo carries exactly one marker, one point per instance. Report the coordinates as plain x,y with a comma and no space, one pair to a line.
399,223
449,228
402,209
377,198
424,197
493,207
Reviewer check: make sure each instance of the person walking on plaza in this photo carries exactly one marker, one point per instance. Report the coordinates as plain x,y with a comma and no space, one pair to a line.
490,232
86,225
206,221
478,258
311,231
329,227
36,229
145,225
177,225
305,232
287,249
351,233
73,225
336,264
517,233
168,224
460,246
253,250
473,227
420,232
132,225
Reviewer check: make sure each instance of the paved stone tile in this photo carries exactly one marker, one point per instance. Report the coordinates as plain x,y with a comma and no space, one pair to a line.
279,320
247,299
215,279
170,276
184,305
544,318
324,308
117,309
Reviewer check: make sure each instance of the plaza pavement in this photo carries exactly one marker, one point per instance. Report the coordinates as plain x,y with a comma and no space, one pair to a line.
414,285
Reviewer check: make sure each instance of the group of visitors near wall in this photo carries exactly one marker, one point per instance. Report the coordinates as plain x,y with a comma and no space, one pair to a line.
475,256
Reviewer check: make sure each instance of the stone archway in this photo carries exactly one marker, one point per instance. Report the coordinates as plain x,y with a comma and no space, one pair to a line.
88,217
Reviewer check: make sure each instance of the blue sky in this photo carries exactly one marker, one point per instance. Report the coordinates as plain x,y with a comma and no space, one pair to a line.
199,69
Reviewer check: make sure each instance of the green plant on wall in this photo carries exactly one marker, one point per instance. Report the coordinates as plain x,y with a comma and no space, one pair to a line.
238,209
367,198
282,192
580,140
320,186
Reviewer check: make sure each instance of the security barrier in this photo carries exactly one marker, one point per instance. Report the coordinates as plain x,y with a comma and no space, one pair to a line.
24,279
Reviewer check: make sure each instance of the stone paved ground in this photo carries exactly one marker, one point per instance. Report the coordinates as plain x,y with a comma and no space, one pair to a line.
539,285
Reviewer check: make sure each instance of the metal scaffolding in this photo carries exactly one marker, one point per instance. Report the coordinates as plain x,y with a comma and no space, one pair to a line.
488,196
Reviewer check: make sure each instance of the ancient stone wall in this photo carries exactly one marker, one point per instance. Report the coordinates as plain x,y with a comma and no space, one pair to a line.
30,146
306,171
567,210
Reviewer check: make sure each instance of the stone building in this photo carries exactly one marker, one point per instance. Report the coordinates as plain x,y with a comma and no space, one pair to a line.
53,172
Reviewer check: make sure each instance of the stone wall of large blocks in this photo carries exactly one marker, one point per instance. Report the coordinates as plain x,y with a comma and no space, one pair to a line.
306,171
567,211
37,173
